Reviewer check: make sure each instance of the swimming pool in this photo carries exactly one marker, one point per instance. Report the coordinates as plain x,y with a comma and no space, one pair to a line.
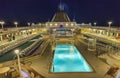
68,59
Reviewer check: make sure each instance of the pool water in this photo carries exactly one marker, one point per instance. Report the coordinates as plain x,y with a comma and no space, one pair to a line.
67,58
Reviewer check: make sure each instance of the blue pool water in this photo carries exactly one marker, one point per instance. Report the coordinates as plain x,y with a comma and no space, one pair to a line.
68,59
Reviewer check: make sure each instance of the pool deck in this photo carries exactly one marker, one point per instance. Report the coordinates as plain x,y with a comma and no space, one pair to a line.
41,64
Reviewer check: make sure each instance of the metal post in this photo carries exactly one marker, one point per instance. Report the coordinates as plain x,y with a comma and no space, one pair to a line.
18,58
19,66
109,28
2,23
2,26
16,25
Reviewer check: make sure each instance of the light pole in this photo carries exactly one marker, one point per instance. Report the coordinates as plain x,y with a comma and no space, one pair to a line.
33,24
39,24
16,23
95,23
18,57
28,23
2,23
109,23
72,31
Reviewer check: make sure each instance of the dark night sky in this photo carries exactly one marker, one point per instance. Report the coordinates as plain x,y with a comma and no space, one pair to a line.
100,11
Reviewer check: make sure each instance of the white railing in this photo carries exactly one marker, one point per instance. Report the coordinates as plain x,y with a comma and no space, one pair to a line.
6,48
30,48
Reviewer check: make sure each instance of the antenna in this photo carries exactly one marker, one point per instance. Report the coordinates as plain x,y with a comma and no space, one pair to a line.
61,7
74,18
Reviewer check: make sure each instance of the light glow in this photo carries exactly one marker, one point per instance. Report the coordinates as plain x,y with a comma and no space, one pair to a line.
17,51
15,23
66,24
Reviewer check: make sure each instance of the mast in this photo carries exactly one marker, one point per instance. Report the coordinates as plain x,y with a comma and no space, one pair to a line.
61,6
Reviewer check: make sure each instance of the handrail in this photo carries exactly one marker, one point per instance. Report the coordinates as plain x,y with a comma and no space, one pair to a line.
102,39
44,47
31,47
16,44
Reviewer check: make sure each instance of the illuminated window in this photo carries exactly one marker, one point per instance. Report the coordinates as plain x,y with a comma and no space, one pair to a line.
66,24
83,23
56,24
72,24
51,24
39,24
46,24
